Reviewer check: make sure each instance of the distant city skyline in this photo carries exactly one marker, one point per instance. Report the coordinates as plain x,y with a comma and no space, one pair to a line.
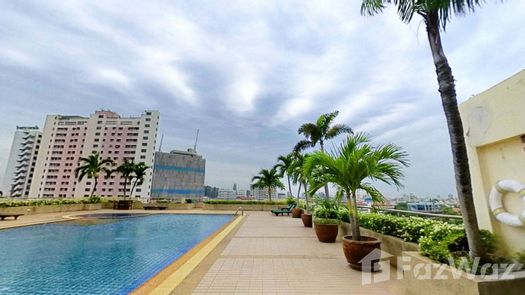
247,74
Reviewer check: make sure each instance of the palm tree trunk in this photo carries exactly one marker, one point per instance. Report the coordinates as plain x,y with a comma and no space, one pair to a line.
306,197
352,209
94,187
270,193
125,186
326,192
299,190
457,141
290,185
133,188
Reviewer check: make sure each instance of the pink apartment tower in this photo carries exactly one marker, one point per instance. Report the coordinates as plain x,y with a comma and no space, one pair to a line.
67,138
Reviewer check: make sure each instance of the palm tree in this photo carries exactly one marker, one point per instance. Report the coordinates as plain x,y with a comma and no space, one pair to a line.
298,176
126,170
139,172
267,178
436,15
319,132
283,165
353,166
91,166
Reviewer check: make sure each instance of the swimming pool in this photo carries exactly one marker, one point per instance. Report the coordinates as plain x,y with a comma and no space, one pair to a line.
97,256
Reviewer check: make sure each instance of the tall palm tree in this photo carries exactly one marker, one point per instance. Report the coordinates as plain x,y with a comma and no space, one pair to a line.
284,163
436,15
91,166
267,179
319,132
298,176
353,166
126,170
139,172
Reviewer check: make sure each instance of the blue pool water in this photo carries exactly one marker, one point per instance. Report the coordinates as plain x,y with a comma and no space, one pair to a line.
97,256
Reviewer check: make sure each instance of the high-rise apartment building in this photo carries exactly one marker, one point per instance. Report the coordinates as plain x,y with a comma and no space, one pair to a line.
21,162
178,175
67,138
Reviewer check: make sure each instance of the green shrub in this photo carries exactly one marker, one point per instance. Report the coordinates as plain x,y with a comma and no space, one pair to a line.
326,208
437,239
44,202
343,214
301,204
250,202
520,257
291,201
319,220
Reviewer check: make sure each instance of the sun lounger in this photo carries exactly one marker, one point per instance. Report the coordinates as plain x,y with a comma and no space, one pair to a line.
155,207
15,216
286,210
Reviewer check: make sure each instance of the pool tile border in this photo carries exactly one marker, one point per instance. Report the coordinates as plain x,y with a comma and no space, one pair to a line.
170,277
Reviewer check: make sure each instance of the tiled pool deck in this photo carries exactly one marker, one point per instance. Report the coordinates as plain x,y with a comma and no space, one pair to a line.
278,255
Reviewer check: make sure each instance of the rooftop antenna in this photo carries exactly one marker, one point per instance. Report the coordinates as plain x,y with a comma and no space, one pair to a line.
196,139
160,145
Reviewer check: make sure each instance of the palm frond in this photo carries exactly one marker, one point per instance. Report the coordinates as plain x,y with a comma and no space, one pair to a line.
406,9
338,129
309,130
303,144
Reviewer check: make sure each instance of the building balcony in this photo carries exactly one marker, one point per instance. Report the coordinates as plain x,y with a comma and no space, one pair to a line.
21,165
20,172
24,153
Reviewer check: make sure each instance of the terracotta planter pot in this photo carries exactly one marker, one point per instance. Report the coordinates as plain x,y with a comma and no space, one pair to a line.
362,255
296,212
326,233
307,219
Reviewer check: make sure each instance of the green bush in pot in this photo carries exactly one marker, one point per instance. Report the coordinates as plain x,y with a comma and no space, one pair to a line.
325,219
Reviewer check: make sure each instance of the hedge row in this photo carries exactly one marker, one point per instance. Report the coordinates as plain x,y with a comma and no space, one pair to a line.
19,203
437,239
250,202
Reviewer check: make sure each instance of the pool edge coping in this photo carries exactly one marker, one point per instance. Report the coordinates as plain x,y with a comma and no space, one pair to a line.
168,279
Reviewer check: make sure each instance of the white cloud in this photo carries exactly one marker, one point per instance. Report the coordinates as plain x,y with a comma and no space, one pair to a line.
113,78
19,58
247,73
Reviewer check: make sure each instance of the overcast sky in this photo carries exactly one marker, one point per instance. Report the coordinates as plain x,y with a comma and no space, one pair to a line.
248,73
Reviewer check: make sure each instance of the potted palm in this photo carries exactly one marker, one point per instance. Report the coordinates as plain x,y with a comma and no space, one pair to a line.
326,224
352,167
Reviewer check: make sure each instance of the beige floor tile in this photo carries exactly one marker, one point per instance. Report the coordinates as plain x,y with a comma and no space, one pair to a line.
278,255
